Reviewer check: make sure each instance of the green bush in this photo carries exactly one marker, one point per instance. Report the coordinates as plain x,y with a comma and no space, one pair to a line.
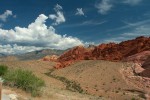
3,69
25,80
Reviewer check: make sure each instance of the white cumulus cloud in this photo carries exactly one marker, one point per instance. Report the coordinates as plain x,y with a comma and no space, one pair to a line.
104,6
5,15
37,34
13,49
79,12
132,2
59,16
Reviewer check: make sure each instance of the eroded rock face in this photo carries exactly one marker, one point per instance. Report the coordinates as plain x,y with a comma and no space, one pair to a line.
110,51
145,73
139,57
146,64
75,54
107,52
142,63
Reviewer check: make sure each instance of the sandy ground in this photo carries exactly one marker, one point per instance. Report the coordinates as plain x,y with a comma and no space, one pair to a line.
8,94
102,80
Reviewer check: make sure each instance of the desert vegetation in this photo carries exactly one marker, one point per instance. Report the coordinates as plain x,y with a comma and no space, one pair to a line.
56,88
3,69
22,79
70,85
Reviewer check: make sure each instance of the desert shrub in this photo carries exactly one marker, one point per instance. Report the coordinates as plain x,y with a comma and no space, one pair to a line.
70,85
142,95
3,69
25,80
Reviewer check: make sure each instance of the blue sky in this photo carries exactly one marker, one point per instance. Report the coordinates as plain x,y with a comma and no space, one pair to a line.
40,24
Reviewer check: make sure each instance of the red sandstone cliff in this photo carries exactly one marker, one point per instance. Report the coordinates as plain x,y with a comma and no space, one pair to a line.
110,51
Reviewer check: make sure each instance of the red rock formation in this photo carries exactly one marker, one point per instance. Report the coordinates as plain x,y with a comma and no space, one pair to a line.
145,73
75,54
107,52
110,51
122,50
142,63
50,58
139,57
146,66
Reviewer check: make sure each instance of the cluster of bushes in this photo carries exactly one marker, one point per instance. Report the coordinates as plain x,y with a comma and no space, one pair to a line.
70,85
23,79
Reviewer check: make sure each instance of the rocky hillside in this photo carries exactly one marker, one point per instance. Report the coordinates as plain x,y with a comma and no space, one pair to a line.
146,64
122,50
138,58
110,51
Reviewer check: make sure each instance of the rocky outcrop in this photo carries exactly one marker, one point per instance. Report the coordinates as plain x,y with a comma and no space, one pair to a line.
107,52
146,64
74,54
138,58
142,63
50,58
110,51
122,50
145,73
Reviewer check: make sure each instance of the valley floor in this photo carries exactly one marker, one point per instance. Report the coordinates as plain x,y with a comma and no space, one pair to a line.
100,80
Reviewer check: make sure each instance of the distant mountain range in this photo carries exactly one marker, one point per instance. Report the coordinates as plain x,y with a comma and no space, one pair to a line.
2,55
34,55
